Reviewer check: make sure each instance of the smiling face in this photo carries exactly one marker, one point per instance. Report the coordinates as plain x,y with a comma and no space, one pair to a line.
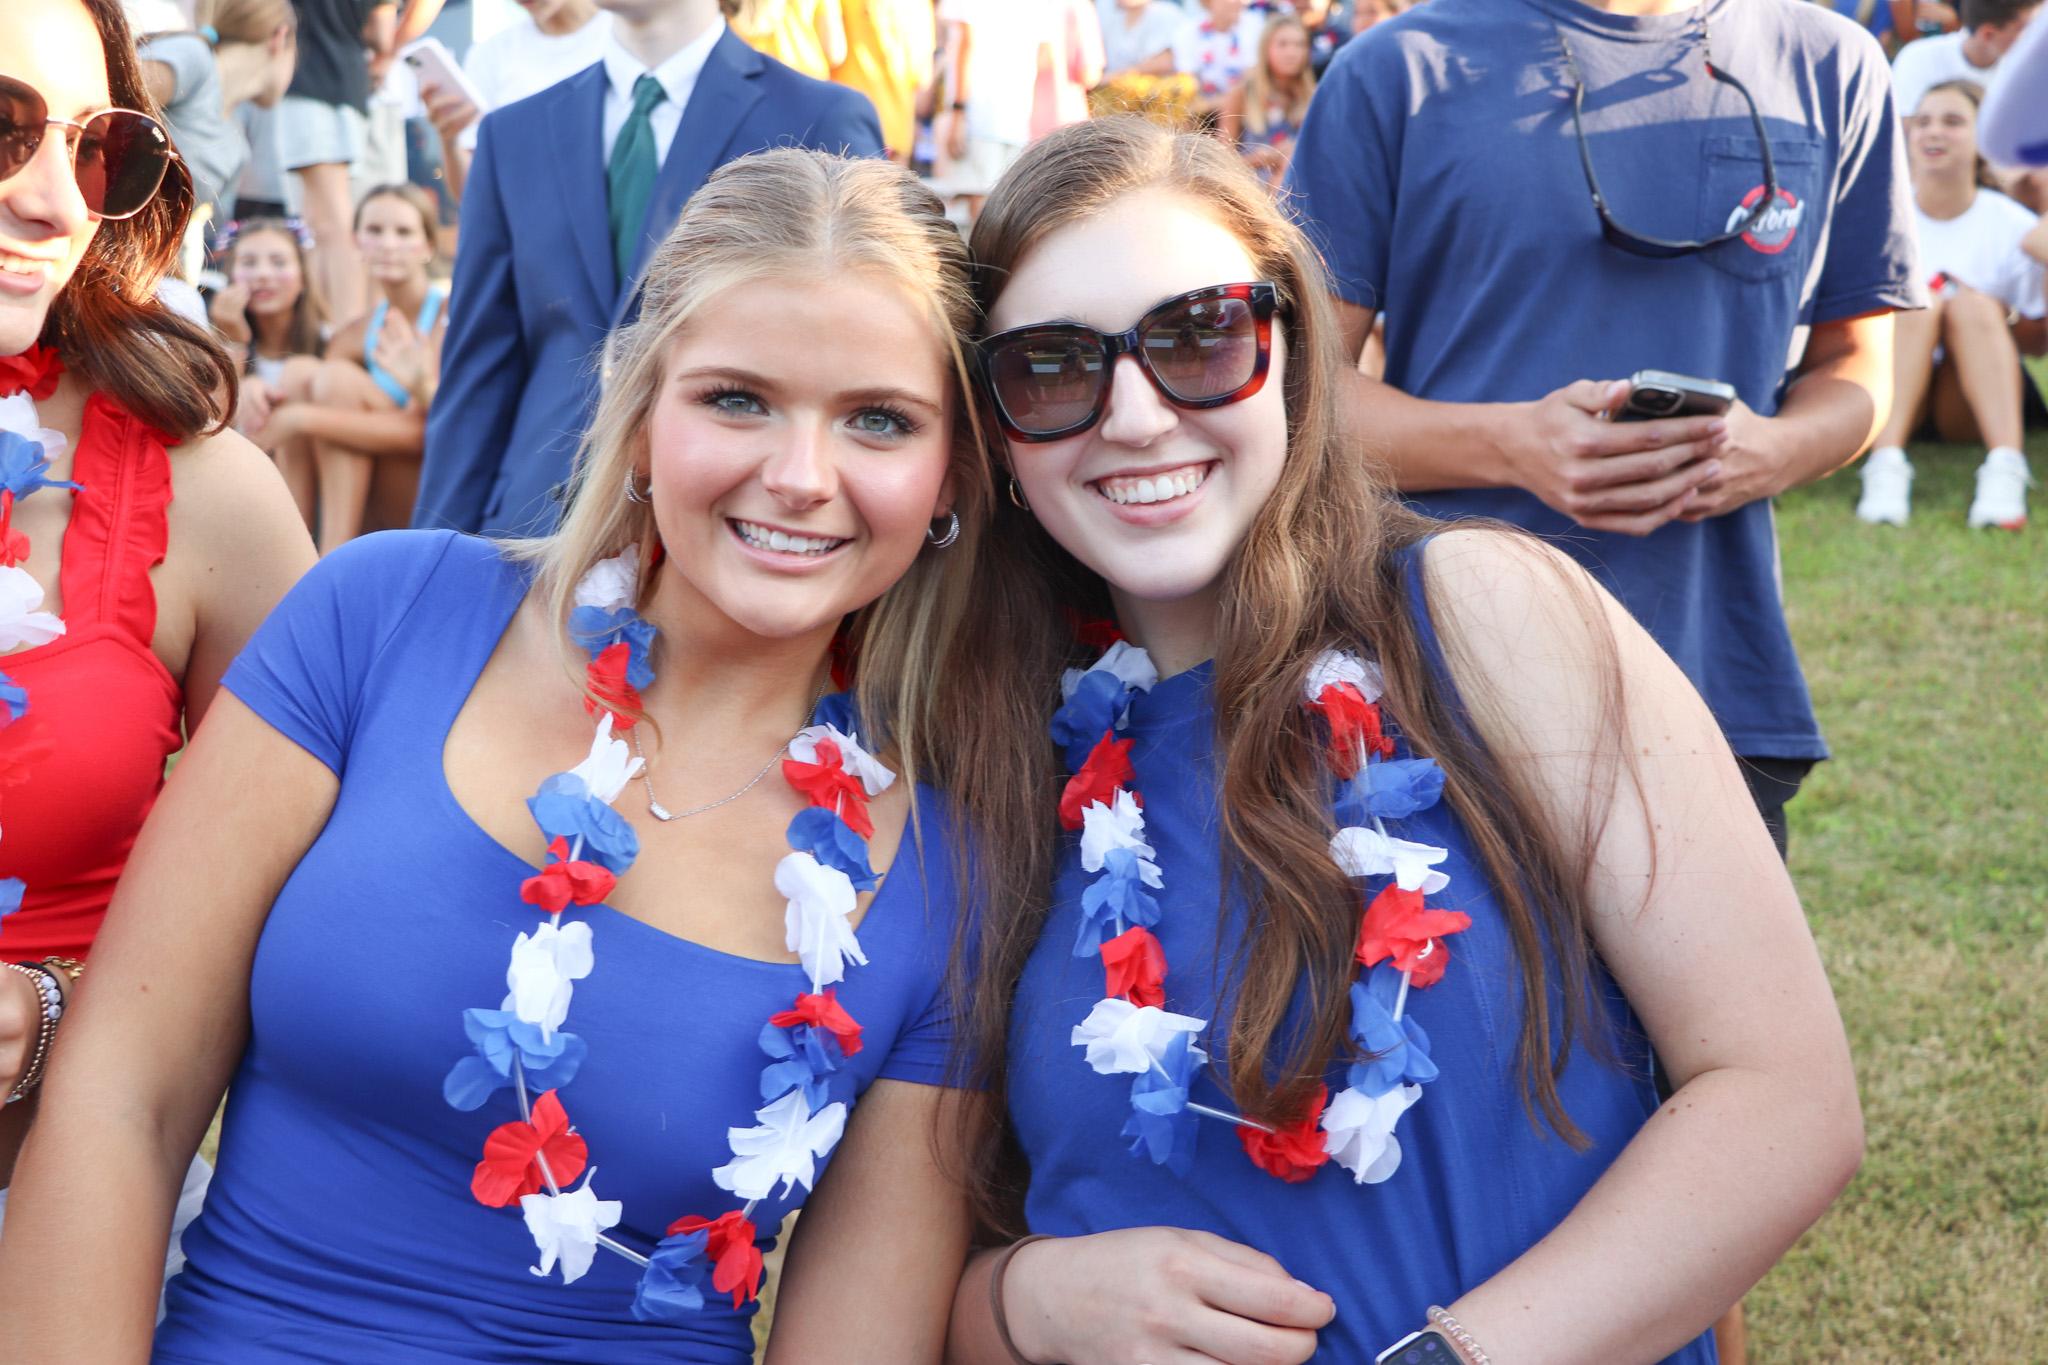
268,264
1154,497
1943,134
798,450
52,46
393,239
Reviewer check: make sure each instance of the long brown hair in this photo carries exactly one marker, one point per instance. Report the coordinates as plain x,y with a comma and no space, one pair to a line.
107,322
1319,569
302,337
792,214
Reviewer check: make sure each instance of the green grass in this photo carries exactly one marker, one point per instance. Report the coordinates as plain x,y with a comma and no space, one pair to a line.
1921,852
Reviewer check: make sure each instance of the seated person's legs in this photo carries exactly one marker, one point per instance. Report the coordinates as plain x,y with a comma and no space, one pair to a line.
1887,475
344,473
1977,397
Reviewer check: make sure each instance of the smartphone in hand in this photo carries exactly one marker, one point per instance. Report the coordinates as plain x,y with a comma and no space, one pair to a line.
1655,394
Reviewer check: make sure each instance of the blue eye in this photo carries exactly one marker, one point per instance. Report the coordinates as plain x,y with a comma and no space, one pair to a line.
737,402
884,422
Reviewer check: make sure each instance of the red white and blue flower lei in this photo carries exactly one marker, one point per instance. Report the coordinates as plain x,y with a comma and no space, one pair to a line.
1400,941
26,449
535,1160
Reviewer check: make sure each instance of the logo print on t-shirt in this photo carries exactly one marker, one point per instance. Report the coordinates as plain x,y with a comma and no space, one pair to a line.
1776,229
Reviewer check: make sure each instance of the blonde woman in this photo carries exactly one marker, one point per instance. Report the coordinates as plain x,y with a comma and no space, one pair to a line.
703,978
1274,98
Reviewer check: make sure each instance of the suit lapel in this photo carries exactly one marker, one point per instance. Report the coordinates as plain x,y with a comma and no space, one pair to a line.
579,154
725,91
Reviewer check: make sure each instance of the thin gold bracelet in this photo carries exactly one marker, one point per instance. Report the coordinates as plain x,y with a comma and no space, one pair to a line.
1455,1330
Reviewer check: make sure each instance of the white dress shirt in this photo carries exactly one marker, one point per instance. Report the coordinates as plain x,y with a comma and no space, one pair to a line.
678,76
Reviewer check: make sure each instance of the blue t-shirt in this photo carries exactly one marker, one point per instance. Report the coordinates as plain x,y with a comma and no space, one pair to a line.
340,1226
1439,173
1478,1184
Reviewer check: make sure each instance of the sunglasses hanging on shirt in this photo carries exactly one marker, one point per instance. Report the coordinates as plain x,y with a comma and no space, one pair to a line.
1657,248
118,155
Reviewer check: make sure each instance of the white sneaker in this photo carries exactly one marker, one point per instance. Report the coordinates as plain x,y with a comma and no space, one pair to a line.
1887,487
2002,482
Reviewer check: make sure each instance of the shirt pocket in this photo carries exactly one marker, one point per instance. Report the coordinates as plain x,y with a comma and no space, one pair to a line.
1781,244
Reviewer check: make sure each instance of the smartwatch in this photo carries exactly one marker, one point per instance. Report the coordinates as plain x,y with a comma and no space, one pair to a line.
1427,1347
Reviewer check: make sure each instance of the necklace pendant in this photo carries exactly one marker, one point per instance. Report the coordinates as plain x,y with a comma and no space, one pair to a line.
659,811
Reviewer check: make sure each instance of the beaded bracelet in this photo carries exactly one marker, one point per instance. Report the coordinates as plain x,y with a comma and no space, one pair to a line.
53,1010
1455,1330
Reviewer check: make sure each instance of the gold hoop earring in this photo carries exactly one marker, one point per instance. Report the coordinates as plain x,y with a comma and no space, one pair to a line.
633,492
1017,496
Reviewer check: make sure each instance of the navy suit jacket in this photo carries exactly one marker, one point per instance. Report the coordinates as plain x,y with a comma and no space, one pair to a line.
536,290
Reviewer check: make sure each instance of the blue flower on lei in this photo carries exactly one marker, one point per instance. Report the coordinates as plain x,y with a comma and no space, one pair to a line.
11,889
1098,705
1392,789
596,629
13,700
1400,1048
22,465
1119,893
673,1286
837,711
1160,1126
826,837
500,1035
565,809
807,1058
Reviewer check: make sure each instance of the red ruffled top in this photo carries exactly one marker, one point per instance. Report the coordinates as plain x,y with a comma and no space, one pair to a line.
87,760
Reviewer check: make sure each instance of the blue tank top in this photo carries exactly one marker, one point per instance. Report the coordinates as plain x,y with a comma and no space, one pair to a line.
340,1226
1478,1184
430,309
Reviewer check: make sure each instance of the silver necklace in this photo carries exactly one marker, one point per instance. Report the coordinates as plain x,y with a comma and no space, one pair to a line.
664,814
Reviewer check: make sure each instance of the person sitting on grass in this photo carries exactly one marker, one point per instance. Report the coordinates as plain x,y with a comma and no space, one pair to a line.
270,318
1961,355
366,419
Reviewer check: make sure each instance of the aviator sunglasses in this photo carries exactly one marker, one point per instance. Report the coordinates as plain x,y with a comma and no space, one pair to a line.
118,155
1201,349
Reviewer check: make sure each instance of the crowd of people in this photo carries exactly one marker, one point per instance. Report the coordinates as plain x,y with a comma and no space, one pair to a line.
1215,901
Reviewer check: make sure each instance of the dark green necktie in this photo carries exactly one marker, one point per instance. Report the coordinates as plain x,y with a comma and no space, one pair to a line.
630,177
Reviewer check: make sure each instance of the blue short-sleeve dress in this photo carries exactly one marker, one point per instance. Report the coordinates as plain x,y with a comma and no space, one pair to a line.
340,1226
1478,1183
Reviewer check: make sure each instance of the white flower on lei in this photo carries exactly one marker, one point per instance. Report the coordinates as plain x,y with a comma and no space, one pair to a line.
18,415
544,964
565,1227
1133,668
611,583
610,766
1358,1132
1342,666
856,760
1365,852
1121,825
785,1147
1131,1038
20,622
815,926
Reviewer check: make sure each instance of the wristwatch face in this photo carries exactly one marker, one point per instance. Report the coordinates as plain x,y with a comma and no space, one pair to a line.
1420,1348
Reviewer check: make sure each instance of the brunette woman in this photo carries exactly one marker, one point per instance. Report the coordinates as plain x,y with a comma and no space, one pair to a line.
366,416
325,902
1958,359
1395,849
139,544
270,317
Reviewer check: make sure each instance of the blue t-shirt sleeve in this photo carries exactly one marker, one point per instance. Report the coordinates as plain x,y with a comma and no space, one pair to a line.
306,668
923,1052
1347,163
1872,261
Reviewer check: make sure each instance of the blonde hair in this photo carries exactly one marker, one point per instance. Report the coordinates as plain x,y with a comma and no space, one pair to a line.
789,214
1259,85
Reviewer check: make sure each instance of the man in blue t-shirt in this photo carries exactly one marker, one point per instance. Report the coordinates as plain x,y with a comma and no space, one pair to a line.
1440,170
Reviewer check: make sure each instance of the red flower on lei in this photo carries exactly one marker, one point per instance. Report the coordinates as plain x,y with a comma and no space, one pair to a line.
1108,767
1295,1152
1354,728
1399,926
509,1169
607,676
566,880
825,1012
34,371
1093,633
1134,967
735,1260
828,784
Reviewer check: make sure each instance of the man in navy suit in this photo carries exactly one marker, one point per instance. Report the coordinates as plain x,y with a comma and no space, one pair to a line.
549,262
